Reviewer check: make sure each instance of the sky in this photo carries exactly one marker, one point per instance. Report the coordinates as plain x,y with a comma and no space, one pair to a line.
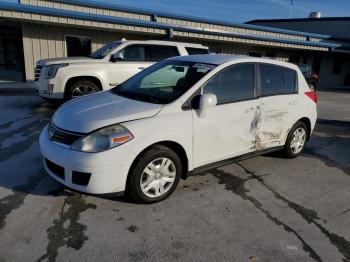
238,10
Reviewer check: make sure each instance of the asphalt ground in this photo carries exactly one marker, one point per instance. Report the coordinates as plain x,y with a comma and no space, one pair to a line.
265,208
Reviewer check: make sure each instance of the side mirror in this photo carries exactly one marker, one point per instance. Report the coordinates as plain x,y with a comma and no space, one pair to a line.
206,101
117,57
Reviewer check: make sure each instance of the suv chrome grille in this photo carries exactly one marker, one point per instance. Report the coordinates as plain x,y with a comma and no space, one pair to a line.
37,72
63,136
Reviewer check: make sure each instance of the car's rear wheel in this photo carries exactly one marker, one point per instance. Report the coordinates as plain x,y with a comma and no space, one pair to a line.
155,175
81,88
296,140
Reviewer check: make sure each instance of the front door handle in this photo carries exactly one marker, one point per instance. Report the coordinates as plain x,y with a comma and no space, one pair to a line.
141,67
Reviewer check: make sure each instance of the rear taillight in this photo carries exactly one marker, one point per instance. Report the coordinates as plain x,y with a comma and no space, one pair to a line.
312,96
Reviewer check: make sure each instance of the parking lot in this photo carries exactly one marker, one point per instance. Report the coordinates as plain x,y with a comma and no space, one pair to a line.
263,209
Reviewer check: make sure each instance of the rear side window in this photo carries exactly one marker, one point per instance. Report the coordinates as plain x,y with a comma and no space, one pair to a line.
232,84
197,51
159,53
276,80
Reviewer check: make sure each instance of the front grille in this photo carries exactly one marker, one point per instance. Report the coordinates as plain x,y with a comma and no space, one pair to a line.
37,72
63,136
55,169
80,178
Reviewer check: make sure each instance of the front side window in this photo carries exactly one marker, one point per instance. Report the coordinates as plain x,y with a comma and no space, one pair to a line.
163,82
277,80
232,84
105,50
159,53
134,53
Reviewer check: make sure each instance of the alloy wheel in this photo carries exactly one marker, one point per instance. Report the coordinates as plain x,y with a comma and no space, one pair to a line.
82,90
158,177
298,140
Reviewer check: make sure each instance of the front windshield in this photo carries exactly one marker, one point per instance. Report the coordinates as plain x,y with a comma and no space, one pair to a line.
163,82
104,50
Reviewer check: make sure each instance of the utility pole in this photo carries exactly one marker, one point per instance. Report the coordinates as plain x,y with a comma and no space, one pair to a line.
291,8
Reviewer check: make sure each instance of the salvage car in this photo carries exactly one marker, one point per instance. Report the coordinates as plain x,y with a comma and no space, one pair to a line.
181,115
58,79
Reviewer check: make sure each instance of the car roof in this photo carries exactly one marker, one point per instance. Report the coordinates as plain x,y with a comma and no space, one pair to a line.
216,59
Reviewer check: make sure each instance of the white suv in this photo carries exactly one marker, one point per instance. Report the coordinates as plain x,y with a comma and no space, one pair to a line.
71,77
180,115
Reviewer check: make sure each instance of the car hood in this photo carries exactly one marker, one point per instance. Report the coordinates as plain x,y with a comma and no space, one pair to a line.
98,110
69,60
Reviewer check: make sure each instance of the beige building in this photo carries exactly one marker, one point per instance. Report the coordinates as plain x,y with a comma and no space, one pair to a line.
38,29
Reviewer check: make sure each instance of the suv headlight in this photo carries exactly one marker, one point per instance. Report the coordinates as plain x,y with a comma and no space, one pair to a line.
103,139
52,70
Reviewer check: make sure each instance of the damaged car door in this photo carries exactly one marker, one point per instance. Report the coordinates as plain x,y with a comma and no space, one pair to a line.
278,92
227,130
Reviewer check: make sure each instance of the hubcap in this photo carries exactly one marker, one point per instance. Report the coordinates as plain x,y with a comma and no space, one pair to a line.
82,90
158,177
298,140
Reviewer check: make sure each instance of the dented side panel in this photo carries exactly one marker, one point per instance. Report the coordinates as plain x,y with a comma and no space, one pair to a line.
277,116
227,131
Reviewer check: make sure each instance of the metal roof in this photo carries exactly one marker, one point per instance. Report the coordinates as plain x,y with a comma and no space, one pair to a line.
306,19
97,4
127,21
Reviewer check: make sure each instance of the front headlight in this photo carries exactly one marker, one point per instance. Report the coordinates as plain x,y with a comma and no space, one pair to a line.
52,70
103,139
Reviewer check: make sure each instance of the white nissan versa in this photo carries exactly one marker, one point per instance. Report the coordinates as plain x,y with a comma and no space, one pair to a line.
177,116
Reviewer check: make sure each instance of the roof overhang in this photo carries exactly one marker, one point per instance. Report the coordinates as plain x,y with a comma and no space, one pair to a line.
39,14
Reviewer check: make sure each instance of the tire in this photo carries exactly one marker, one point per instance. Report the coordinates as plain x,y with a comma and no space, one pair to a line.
80,88
292,149
151,160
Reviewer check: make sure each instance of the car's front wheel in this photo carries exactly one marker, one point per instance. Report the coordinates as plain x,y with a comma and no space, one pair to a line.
155,175
81,88
296,140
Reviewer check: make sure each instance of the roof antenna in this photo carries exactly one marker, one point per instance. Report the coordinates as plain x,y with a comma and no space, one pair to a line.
291,8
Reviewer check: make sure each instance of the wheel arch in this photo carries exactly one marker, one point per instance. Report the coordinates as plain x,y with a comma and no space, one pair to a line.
307,122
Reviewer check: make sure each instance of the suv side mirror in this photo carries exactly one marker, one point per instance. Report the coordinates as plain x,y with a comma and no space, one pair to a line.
117,57
206,101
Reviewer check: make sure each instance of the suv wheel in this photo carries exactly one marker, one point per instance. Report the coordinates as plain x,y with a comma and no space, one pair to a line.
296,140
155,175
81,88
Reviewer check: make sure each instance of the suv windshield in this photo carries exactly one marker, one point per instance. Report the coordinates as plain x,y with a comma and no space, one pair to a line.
105,50
163,82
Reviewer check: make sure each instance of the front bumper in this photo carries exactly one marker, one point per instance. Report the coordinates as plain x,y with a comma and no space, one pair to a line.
49,88
108,170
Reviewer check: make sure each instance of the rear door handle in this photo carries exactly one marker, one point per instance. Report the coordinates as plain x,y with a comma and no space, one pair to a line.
141,68
293,103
